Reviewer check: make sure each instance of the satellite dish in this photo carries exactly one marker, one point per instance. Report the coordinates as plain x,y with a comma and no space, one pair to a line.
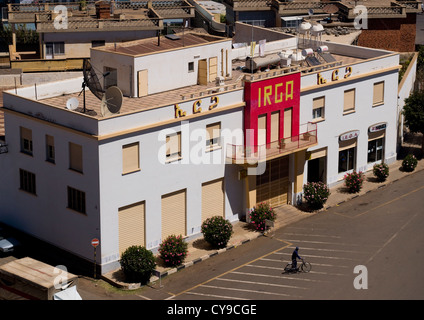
91,80
72,104
310,12
111,101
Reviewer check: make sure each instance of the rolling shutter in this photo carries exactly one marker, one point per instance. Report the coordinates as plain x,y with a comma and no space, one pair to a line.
378,96
349,100
131,223
288,114
213,199
275,126
273,185
174,214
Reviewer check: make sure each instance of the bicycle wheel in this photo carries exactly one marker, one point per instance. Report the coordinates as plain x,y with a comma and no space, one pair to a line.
288,267
306,267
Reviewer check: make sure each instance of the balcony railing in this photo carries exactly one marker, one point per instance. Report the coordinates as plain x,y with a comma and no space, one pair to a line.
241,154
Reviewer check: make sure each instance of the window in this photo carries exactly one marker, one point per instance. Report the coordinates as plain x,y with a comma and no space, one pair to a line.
173,147
58,48
349,101
111,79
318,108
378,95
190,66
27,181
346,159
76,200
26,140
130,158
50,151
375,150
75,157
97,43
213,134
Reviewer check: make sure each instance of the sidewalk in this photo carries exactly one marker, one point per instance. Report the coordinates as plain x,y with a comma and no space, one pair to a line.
199,250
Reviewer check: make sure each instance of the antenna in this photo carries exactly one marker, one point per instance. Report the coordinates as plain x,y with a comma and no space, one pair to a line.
72,104
111,101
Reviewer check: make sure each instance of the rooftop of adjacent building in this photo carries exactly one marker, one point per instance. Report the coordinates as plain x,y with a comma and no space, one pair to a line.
100,15
164,43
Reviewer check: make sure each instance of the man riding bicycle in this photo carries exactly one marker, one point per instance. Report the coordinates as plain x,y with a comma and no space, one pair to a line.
295,256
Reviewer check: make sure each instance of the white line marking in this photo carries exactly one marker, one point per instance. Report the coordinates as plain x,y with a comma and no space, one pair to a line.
278,277
324,242
391,238
247,290
312,235
331,250
315,264
313,256
262,283
214,296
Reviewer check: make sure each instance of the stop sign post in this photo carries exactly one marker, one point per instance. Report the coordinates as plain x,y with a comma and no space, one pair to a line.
95,242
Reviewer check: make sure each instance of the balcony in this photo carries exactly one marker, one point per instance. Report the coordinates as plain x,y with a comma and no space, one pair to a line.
240,154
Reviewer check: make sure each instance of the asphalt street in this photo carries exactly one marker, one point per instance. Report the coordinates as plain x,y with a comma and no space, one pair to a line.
373,241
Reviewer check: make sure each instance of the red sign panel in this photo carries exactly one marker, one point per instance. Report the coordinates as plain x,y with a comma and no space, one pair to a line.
95,242
268,96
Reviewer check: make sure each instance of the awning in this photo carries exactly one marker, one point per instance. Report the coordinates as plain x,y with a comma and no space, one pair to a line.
68,294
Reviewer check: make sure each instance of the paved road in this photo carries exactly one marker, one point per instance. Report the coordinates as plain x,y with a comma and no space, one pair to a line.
381,231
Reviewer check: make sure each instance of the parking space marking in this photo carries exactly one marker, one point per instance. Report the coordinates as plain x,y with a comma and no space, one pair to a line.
247,290
315,264
214,296
311,235
314,256
278,277
262,283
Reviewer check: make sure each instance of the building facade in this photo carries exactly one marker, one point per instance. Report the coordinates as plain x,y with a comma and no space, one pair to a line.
190,133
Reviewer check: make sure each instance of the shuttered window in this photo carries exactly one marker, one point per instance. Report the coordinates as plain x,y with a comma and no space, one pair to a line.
174,214
26,140
27,181
50,150
75,157
131,223
318,108
213,134
76,200
130,158
378,95
213,199
349,101
173,147
262,129
275,126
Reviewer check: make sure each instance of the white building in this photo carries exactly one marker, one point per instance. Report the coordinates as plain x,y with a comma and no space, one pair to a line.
177,149
355,107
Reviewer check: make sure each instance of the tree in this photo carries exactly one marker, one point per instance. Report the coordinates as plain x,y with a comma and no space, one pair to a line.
413,112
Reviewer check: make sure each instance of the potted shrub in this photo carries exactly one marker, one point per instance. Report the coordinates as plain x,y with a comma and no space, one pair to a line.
381,171
354,181
409,163
138,264
316,194
217,231
260,214
173,250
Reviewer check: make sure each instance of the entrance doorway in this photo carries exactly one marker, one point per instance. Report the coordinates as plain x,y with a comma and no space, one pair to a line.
273,185
316,169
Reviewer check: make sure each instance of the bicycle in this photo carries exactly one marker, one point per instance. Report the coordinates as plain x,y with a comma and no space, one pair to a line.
304,267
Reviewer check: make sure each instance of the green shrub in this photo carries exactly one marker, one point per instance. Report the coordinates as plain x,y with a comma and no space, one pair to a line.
259,214
381,171
354,181
316,194
173,250
409,163
138,264
217,231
